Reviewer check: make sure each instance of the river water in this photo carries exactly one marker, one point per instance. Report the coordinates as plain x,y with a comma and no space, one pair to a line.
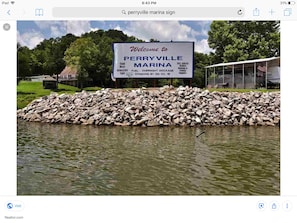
102,160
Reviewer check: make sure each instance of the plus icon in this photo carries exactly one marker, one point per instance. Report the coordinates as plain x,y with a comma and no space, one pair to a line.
271,12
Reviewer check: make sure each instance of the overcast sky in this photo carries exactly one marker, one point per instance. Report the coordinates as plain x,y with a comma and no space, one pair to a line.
30,33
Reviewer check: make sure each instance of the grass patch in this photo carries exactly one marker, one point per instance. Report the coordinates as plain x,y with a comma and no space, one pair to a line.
28,91
27,87
92,88
242,90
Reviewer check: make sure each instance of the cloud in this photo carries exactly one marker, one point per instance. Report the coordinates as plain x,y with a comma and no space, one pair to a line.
43,25
117,27
78,27
168,31
163,31
30,39
202,46
59,28
204,27
55,31
51,29
196,31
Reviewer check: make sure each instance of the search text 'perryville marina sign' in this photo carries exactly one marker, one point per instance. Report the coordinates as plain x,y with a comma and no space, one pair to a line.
153,60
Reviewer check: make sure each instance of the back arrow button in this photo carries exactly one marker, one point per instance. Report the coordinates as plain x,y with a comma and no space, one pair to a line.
8,12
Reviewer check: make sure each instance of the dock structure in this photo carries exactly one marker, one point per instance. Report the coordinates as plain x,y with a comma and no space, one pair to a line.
244,74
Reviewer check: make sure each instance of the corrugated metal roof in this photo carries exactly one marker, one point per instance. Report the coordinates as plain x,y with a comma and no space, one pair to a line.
49,78
69,70
243,62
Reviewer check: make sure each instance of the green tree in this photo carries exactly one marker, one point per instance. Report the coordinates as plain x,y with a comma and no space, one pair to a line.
42,58
104,62
152,40
47,56
200,61
243,40
119,36
104,39
82,55
24,61
60,45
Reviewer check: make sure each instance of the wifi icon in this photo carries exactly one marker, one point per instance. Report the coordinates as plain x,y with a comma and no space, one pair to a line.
12,2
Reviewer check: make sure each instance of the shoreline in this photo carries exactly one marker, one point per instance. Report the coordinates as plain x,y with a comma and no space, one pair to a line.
182,106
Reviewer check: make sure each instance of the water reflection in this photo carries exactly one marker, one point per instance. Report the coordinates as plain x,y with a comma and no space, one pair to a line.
239,160
70,159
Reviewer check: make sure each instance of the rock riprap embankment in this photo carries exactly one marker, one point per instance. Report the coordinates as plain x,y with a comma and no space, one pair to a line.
183,106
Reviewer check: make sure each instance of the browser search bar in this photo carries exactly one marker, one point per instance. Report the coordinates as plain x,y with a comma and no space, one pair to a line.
138,12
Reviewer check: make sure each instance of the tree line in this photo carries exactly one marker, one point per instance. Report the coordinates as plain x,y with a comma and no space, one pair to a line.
91,53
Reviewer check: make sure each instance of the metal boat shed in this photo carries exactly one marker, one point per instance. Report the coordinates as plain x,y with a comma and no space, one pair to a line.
244,74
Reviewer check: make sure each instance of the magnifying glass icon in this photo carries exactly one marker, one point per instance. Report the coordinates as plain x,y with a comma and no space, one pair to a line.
124,12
